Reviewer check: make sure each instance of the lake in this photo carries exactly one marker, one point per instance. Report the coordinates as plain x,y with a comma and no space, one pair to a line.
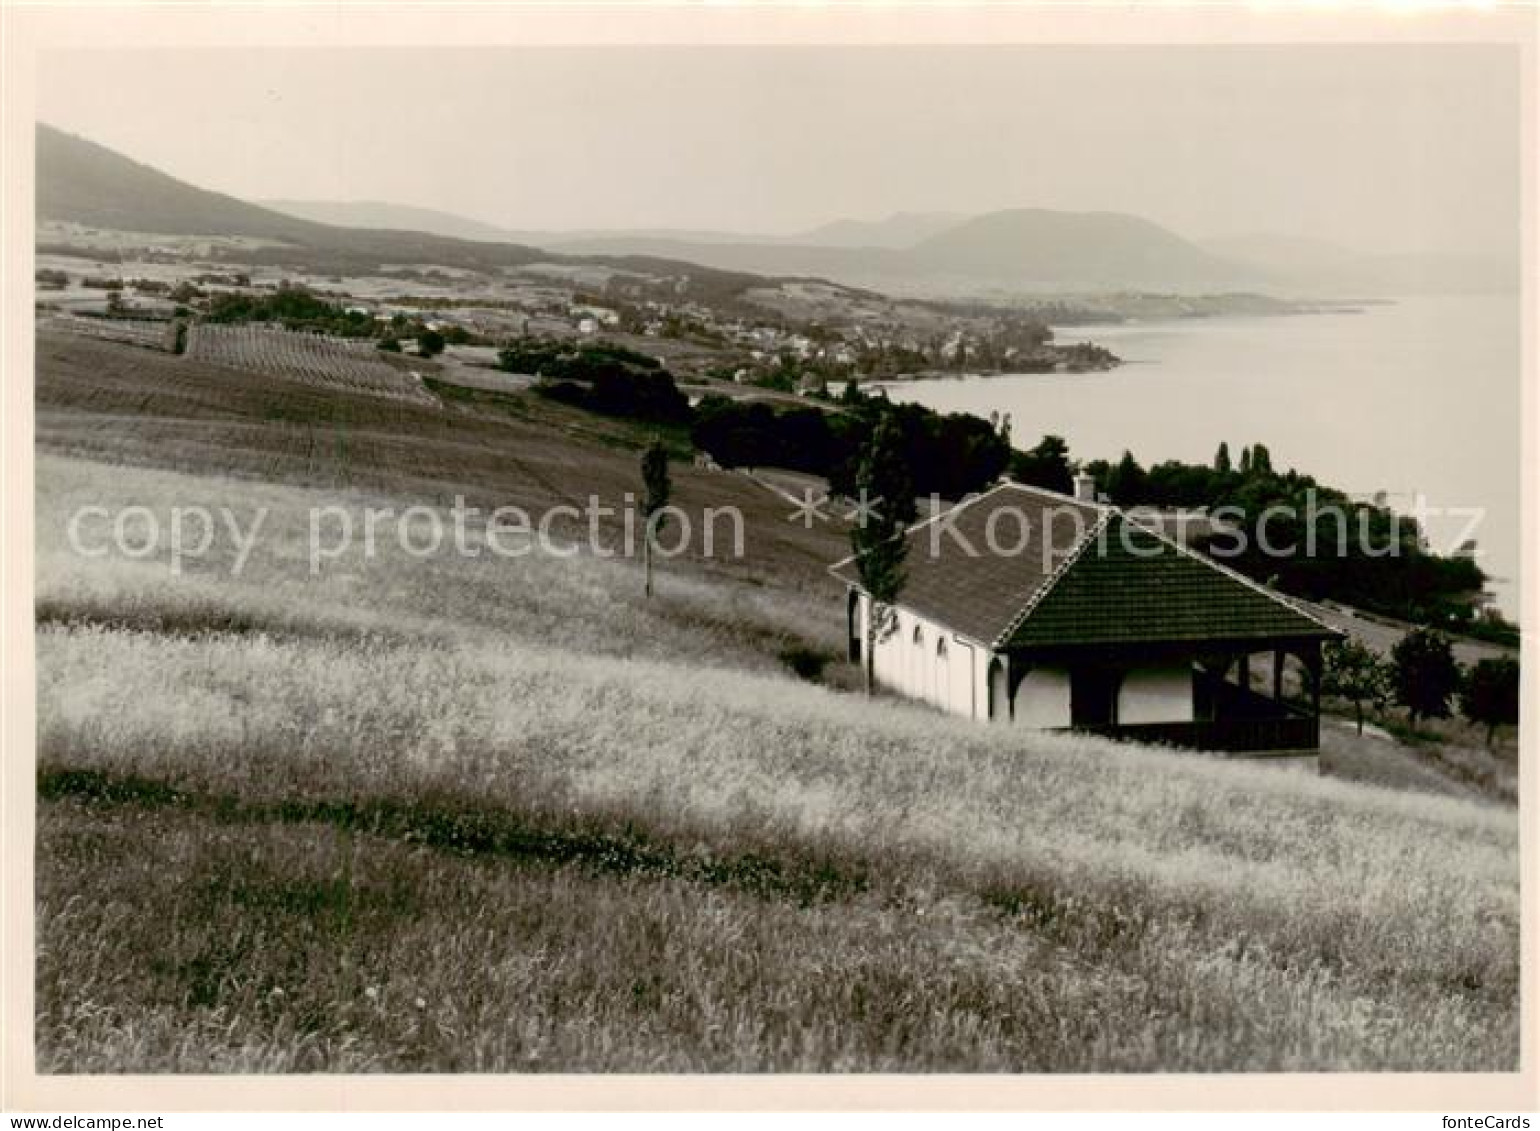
1417,396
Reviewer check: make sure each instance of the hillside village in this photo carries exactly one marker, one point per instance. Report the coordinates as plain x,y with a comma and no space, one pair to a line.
784,334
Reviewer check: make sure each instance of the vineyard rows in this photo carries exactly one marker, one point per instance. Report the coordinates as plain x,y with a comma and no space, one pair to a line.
133,331
313,358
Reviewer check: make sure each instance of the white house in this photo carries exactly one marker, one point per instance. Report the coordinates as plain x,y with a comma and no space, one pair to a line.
1029,608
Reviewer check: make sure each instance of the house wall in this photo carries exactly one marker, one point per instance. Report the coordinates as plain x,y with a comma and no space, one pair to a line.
958,681
1156,695
955,681
1042,699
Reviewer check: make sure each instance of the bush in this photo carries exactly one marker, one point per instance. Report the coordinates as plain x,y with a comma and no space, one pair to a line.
804,662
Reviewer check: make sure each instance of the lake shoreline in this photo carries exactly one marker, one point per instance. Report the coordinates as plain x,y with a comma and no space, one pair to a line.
1365,401
983,374
1089,356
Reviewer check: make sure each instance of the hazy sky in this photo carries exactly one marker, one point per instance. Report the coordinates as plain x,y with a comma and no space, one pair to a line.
1378,148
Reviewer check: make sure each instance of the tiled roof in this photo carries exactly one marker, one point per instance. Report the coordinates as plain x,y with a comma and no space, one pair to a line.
1022,567
975,567
1132,586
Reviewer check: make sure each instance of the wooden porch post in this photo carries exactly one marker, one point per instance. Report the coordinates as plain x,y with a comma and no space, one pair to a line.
1313,666
1010,690
1312,659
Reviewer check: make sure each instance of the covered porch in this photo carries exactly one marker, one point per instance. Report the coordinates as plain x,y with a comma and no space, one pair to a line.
1240,696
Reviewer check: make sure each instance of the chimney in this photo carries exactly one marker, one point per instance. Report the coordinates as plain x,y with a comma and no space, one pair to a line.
1085,488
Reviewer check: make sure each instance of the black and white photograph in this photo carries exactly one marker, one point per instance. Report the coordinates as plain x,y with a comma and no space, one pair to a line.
838,559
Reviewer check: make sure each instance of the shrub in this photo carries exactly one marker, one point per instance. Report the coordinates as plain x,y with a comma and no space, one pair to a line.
804,662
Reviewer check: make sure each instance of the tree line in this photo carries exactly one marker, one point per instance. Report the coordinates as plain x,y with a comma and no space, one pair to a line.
298,308
948,455
1308,538
600,377
1422,675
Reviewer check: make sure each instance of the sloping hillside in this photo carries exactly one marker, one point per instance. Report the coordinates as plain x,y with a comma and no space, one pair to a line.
900,230
384,216
393,802
81,182
299,752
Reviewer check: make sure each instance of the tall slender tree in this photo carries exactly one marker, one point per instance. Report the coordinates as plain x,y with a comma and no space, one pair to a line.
1127,482
886,489
656,489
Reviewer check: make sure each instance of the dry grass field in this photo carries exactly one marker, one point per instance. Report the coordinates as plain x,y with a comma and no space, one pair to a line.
456,813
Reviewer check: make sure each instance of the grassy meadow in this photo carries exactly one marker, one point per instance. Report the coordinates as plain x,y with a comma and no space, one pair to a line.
490,814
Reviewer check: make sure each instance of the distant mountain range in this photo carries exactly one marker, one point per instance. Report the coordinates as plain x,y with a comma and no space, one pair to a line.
1031,250
900,230
1023,249
1027,250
